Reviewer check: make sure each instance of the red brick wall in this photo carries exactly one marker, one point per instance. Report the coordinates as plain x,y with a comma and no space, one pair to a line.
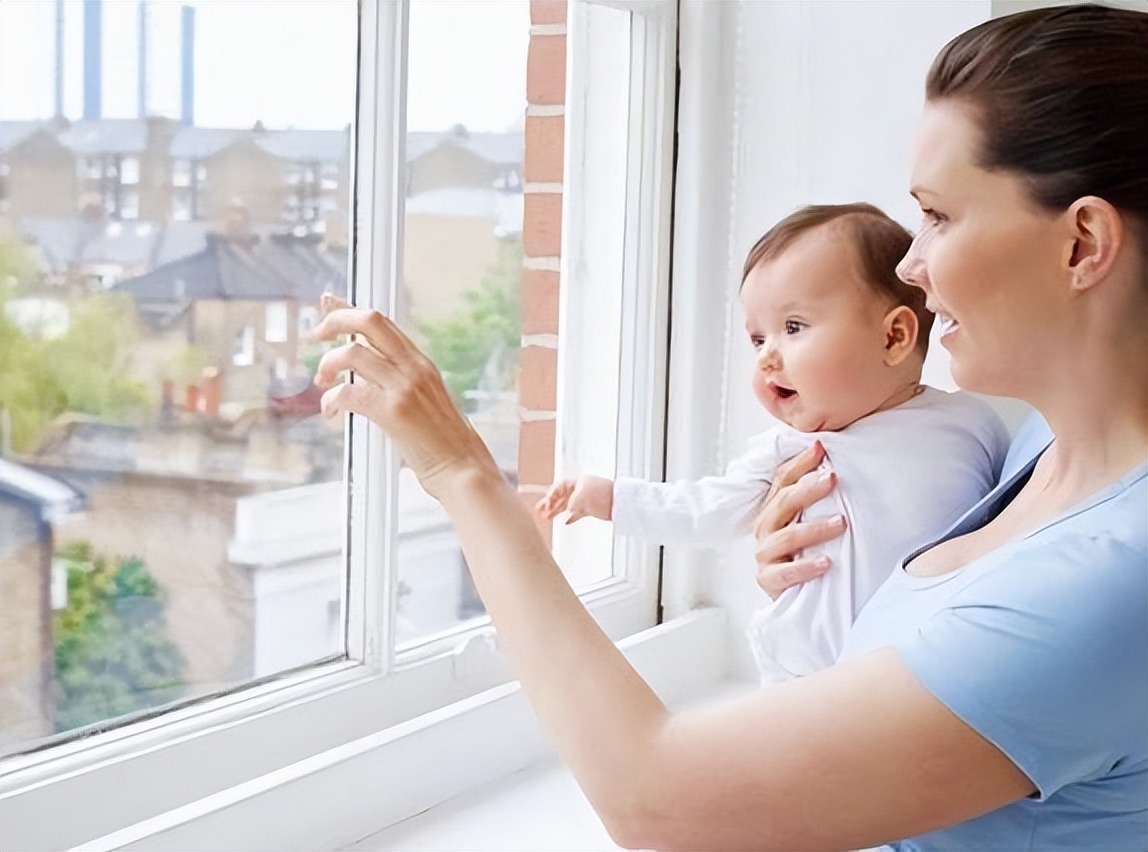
542,246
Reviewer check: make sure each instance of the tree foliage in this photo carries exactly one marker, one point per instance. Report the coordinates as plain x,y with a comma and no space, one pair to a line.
481,340
113,653
84,370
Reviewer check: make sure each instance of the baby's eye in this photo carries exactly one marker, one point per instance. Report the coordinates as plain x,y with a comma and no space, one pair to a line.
793,326
757,341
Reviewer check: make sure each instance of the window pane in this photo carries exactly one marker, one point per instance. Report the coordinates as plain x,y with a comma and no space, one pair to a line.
170,502
462,263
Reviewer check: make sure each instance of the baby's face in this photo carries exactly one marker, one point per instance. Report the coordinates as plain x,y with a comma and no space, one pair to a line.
819,333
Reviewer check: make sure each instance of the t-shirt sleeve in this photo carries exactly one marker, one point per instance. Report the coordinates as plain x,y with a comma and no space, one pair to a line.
1046,658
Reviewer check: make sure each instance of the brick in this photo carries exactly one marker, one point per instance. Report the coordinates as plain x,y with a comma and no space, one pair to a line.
538,378
544,527
545,140
536,452
542,224
547,11
546,70
539,301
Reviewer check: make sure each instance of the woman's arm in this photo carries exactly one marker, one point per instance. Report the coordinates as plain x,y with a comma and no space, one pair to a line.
848,757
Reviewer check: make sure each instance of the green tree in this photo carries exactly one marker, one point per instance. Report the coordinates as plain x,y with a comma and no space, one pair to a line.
113,652
90,360
489,326
84,370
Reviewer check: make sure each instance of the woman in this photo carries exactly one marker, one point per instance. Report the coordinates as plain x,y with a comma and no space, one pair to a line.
994,691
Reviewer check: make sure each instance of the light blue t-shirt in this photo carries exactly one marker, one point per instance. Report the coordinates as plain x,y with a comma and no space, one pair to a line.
1042,647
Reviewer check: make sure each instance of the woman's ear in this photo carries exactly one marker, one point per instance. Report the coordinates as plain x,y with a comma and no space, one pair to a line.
1098,234
901,329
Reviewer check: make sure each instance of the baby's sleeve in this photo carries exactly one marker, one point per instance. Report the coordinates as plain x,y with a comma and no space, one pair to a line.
1046,658
702,512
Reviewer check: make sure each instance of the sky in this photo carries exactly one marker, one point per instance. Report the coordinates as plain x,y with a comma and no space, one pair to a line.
283,62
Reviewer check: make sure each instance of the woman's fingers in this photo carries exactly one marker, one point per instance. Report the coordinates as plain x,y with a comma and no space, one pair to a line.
788,472
786,503
330,302
781,538
399,389
786,544
776,578
779,563
376,330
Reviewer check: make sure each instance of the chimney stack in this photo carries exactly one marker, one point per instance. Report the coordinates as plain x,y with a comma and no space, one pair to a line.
93,59
187,64
141,88
59,59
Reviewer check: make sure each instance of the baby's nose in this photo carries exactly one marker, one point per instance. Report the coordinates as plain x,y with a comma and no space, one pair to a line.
768,357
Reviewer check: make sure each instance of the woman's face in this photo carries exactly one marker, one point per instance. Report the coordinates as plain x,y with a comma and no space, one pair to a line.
989,259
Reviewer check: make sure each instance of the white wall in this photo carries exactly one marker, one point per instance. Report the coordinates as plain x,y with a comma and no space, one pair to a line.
826,94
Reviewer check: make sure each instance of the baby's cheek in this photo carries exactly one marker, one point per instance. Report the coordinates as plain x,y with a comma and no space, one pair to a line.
761,389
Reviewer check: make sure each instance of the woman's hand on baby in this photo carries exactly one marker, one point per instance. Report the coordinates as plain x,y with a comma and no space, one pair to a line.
398,388
586,496
781,537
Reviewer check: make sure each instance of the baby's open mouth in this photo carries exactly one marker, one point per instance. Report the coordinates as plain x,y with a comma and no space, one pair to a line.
784,393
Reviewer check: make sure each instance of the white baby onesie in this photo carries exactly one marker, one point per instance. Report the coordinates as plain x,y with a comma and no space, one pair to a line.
904,475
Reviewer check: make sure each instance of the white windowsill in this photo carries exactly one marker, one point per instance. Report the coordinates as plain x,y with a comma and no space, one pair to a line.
472,749
537,808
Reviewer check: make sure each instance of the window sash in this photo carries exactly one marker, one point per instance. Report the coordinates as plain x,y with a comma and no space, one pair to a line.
211,746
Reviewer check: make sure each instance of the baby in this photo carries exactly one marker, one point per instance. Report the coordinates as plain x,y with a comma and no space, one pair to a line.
840,343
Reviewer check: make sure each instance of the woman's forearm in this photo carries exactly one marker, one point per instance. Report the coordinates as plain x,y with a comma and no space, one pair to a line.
604,718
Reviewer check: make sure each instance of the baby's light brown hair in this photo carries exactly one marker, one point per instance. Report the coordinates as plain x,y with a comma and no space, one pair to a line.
879,243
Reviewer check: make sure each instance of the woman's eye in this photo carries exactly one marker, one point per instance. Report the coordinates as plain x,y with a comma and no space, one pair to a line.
757,341
792,327
932,217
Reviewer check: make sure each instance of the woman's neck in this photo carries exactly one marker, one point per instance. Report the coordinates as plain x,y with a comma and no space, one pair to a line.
1101,432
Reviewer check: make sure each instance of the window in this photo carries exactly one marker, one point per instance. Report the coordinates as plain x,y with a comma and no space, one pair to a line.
243,353
275,323
159,403
181,173
129,204
129,171
181,207
374,650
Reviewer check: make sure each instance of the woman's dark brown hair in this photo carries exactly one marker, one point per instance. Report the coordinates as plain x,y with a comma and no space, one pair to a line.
1061,95
878,242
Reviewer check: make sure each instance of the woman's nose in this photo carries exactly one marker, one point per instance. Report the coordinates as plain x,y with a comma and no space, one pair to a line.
911,269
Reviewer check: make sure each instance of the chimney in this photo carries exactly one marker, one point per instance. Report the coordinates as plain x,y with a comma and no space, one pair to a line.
211,391
187,64
59,59
141,87
93,59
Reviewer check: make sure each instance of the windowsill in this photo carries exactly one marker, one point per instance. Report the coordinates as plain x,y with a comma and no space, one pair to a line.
476,749
537,808
540,807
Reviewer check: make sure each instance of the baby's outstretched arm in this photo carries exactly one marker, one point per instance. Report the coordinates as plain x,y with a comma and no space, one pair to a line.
586,496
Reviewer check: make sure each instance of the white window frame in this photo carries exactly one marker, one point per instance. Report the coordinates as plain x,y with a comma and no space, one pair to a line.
153,781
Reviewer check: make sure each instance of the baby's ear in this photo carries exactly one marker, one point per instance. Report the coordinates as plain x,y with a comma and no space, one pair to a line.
901,328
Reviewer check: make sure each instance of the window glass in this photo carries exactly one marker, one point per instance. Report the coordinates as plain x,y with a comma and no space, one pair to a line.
462,270
170,499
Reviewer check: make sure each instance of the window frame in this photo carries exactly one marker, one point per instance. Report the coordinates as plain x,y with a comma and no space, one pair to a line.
221,744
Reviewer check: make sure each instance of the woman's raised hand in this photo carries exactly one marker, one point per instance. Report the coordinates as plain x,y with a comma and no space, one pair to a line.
399,389
781,538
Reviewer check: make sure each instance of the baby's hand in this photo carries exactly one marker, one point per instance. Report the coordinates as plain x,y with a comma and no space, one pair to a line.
587,496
